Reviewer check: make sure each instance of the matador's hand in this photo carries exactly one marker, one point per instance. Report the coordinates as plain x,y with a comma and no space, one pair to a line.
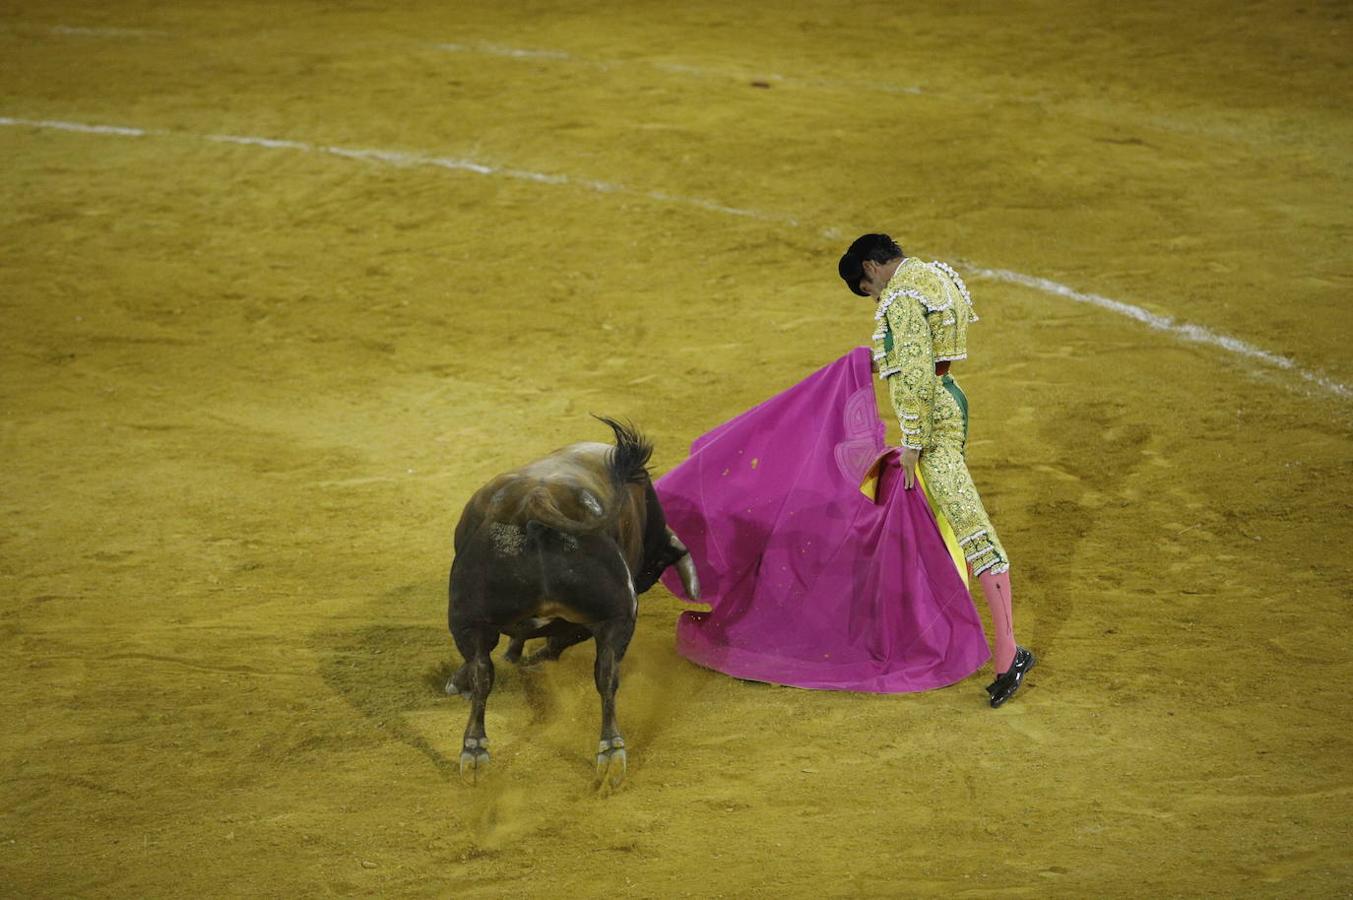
910,457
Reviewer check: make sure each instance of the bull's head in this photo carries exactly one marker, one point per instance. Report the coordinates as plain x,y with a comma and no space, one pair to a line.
669,551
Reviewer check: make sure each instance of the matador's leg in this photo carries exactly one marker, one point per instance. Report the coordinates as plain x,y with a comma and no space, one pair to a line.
947,478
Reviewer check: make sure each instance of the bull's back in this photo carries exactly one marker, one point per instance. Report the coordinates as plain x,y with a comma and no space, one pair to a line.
570,475
536,541
508,572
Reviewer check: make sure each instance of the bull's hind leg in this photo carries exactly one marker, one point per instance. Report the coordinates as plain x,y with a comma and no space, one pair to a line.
475,643
613,637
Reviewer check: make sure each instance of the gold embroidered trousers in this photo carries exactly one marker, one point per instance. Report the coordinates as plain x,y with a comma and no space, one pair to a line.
945,470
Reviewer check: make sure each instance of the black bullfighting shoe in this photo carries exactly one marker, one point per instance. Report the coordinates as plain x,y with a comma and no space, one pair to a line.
1006,683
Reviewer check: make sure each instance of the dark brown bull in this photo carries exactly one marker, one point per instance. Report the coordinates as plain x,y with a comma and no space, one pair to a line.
559,549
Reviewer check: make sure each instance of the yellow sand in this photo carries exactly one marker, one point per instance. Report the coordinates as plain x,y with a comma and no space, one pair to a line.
247,389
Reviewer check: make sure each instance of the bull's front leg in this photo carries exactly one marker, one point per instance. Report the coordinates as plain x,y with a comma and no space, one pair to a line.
613,637
559,634
562,636
522,632
458,685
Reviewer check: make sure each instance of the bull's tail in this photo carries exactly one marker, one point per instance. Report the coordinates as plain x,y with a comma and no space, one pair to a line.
540,510
628,460
626,463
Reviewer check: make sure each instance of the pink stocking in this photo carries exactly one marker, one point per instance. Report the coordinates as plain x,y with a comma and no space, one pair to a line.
997,591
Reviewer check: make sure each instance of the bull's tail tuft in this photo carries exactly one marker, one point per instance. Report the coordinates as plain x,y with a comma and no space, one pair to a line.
628,460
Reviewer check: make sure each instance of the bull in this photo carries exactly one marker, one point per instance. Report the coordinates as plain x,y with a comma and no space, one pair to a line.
560,549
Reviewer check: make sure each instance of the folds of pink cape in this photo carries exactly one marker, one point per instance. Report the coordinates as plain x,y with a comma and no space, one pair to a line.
810,582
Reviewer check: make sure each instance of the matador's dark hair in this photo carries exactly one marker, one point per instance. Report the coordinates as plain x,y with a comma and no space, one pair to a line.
878,248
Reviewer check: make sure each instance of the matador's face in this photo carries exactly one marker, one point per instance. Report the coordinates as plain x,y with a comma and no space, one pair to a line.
876,276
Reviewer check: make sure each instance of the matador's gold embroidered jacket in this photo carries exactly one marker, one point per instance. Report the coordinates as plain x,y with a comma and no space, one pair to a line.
922,317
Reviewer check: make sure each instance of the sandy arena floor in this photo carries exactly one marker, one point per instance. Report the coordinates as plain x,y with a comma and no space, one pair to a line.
322,268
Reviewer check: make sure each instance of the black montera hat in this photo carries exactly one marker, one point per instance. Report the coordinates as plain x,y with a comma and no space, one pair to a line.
877,247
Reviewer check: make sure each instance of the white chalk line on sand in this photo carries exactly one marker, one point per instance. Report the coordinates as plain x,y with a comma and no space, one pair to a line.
1181,330
76,126
400,158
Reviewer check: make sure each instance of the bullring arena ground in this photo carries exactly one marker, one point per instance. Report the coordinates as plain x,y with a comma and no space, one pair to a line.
283,283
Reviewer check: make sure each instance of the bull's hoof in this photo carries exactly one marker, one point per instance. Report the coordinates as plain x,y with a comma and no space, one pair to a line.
534,660
458,685
611,764
474,760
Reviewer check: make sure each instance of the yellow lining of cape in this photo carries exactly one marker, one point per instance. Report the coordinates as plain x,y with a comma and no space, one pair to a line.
870,488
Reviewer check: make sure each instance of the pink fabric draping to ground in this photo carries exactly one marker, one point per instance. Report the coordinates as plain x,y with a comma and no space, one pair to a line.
811,584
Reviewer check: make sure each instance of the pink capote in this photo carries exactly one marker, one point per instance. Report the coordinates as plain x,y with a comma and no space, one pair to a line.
811,584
